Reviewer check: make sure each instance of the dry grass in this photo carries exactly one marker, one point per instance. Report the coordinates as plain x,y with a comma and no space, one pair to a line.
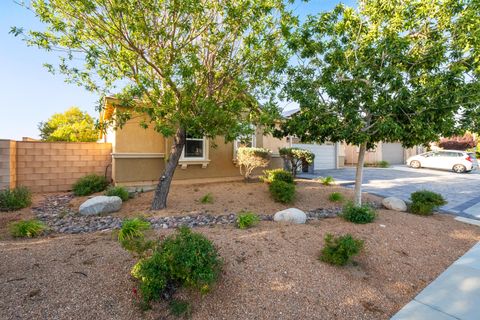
271,272
231,197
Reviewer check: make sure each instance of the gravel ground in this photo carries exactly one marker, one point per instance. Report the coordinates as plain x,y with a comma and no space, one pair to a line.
270,272
230,197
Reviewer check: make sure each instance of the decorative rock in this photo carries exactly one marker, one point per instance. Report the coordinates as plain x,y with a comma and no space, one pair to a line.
394,203
100,204
290,215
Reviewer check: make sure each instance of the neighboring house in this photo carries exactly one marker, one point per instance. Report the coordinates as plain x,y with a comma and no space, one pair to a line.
139,155
393,153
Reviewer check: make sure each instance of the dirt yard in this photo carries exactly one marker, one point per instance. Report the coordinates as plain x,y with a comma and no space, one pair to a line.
231,197
270,272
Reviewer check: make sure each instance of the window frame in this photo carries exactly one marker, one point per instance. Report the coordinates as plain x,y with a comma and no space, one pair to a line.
204,149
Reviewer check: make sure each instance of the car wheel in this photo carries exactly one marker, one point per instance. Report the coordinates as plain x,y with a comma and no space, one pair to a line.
415,164
459,168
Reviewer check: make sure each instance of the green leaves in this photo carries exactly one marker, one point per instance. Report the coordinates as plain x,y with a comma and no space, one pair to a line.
73,126
200,65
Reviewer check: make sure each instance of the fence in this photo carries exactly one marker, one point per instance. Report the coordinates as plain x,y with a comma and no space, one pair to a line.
51,166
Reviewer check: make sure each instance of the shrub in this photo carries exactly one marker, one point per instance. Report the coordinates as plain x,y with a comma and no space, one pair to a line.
282,191
383,164
249,159
336,197
208,198
340,250
247,219
27,228
180,308
327,181
89,184
295,157
118,191
15,199
277,175
184,259
358,214
424,202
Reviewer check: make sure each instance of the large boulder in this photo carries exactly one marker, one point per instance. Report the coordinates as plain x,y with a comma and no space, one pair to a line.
394,203
100,204
293,215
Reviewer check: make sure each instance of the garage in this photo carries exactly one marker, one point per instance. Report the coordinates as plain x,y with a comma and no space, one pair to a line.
393,153
325,155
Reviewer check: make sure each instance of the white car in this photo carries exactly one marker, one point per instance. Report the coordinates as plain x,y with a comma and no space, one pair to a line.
458,161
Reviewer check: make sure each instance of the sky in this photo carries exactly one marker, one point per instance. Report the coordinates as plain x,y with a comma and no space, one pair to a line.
30,94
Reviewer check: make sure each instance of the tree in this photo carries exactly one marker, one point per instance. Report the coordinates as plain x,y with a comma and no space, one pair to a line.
193,66
296,157
73,125
467,141
389,71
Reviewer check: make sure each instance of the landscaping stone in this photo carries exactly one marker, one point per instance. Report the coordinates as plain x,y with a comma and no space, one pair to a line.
100,204
290,215
393,203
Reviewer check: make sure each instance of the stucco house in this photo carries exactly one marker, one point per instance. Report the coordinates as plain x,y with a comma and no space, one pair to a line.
139,155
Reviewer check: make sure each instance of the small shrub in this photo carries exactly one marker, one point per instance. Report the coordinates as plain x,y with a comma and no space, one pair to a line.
340,250
27,228
277,175
247,220
15,199
282,191
184,259
424,202
383,164
208,198
296,157
180,308
327,181
336,197
248,159
132,228
118,191
358,214
89,184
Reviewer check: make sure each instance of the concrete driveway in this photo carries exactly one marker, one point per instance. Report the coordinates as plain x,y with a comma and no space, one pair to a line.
462,191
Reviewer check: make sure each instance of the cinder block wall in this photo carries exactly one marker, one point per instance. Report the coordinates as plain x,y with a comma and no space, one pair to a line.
7,164
55,166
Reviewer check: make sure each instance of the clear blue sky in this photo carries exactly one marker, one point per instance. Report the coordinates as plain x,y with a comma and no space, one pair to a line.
30,94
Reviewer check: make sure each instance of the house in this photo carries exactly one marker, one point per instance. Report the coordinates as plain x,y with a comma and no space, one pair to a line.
139,155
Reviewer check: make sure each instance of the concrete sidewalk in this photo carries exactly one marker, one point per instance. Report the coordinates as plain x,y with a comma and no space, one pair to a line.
455,294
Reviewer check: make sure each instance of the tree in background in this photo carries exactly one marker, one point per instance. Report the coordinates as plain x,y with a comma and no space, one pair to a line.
463,143
73,125
389,71
193,66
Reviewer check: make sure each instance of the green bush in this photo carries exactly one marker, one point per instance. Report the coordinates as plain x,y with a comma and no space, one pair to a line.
180,308
340,250
15,199
277,175
186,259
379,164
27,228
118,191
208,198
424,202
336,197
282,191
327,181
358,214
247,220
89,184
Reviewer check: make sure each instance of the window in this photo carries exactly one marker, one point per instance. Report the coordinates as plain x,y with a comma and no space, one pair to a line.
194,147
248,141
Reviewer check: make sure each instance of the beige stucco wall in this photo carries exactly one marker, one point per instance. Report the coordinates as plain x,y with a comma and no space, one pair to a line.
139,157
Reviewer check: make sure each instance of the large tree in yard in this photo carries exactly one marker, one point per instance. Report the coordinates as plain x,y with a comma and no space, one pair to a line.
73,125
388,71
192,66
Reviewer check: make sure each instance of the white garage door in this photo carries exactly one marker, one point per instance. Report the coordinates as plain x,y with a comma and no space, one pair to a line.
393,153
324,154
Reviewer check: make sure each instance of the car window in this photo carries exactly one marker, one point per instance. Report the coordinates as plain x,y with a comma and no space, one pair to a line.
451,154
472,154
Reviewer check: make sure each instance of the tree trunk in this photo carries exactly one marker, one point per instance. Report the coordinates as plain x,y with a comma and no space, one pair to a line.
359,174
163,186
